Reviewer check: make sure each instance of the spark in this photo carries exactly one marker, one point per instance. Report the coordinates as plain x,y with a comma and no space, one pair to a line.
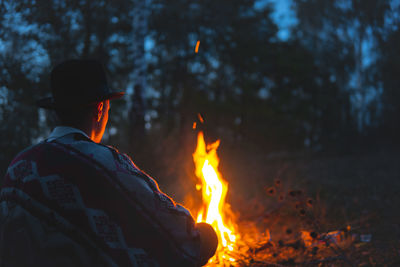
200,118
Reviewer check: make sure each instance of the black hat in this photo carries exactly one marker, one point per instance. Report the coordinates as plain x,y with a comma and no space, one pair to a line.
77,83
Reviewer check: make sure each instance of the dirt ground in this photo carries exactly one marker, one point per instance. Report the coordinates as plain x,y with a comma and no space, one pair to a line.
360,190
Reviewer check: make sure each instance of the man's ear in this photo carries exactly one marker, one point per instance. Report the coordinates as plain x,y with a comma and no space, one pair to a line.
99,111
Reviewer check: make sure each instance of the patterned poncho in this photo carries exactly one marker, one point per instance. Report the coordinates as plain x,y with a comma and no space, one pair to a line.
68,201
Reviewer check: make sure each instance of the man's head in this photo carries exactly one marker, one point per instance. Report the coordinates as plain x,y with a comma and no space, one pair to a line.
92,119
80,96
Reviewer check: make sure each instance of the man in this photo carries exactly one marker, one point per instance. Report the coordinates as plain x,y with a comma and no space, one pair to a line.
70,201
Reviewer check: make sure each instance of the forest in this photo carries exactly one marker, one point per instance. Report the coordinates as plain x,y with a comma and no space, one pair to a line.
316,108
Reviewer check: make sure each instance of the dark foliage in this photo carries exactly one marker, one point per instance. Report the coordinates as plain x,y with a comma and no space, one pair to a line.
331,85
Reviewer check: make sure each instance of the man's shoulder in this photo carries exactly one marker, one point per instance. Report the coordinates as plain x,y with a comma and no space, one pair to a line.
123,162
99,153
27,151
105,155
74,145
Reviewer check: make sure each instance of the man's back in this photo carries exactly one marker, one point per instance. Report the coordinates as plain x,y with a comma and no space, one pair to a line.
91,205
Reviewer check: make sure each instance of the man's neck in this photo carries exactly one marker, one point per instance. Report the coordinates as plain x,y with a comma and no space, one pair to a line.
88,130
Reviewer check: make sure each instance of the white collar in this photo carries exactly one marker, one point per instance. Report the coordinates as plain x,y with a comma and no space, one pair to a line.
61,131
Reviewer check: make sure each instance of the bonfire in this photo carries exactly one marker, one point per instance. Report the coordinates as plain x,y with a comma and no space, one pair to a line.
250,242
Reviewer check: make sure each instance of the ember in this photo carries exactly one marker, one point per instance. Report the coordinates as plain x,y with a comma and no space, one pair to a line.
197,46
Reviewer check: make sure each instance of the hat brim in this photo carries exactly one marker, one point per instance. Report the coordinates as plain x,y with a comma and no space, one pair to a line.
49,103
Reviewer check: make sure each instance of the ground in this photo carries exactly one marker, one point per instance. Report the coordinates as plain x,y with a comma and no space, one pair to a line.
360,190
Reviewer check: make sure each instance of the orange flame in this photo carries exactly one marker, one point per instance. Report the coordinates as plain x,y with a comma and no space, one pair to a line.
214,210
